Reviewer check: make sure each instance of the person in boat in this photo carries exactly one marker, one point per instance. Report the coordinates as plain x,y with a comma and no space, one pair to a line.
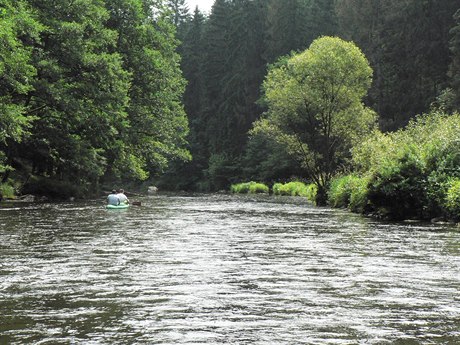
122,197
113,198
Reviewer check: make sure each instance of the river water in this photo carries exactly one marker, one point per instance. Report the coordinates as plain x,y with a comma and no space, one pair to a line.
222,269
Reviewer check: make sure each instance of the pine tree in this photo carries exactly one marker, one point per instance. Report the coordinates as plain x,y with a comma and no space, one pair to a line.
157,124
407,44
454,68
180,12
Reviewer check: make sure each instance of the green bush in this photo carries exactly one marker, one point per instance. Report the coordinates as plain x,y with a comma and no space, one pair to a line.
452,199
277,188
398,190
294,188
408,171
249,187
339,192
350,191
359,195
258,188
7,191
312,189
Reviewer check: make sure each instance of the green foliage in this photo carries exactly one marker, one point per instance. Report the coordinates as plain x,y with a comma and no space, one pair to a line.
225,57
267,160
7,191
221,166
90,89
407,43
294,188
409,171
452,198
249,187
18,30
454,67
399,189
339,191
315,107
311,193
157,125
359,197
349,191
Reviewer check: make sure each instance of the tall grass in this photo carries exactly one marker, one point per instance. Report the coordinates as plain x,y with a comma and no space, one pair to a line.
296,188
249,187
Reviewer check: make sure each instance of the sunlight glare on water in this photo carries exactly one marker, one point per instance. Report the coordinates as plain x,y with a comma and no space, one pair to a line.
220,269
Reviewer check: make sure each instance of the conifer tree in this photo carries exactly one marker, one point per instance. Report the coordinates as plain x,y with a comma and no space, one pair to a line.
454,68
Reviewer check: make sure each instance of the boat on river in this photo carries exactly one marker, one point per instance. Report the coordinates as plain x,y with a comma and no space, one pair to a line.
117,207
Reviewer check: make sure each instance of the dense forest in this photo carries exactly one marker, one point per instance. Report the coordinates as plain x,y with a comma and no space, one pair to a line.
412,47
90,94
96,93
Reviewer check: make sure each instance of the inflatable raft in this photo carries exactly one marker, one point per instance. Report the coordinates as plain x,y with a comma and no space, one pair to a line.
117,207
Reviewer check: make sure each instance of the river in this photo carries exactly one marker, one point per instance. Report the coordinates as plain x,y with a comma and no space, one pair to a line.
223,269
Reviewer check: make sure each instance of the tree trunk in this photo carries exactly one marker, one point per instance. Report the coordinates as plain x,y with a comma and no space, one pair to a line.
321,196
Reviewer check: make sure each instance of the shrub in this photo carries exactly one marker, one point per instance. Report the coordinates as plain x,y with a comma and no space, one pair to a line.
350,191
312,189
258,188
7,191
249,187
409,170
294,188
398,190
338,194
452,199
359,195
277,188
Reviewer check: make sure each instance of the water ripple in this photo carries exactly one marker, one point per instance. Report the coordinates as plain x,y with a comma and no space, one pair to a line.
223,270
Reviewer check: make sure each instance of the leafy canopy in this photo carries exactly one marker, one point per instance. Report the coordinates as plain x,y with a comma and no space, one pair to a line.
315,105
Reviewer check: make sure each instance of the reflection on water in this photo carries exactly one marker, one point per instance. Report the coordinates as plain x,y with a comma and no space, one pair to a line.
223,269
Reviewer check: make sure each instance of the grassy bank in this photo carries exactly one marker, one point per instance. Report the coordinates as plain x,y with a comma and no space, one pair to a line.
294,188
249,188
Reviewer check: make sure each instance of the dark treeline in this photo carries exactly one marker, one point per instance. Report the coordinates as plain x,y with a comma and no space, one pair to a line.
96,93
412,47
90,94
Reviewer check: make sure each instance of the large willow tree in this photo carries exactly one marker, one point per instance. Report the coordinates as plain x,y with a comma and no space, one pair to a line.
315,106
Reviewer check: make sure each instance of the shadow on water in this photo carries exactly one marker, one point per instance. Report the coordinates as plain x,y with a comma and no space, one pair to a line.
223,269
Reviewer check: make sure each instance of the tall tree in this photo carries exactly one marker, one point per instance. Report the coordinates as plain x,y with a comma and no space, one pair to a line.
19,31
315,106
407,44
79,94
157,123
234,70
180,12
192,64
454,68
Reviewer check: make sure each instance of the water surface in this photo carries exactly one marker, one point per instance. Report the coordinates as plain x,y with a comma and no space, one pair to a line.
219,269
